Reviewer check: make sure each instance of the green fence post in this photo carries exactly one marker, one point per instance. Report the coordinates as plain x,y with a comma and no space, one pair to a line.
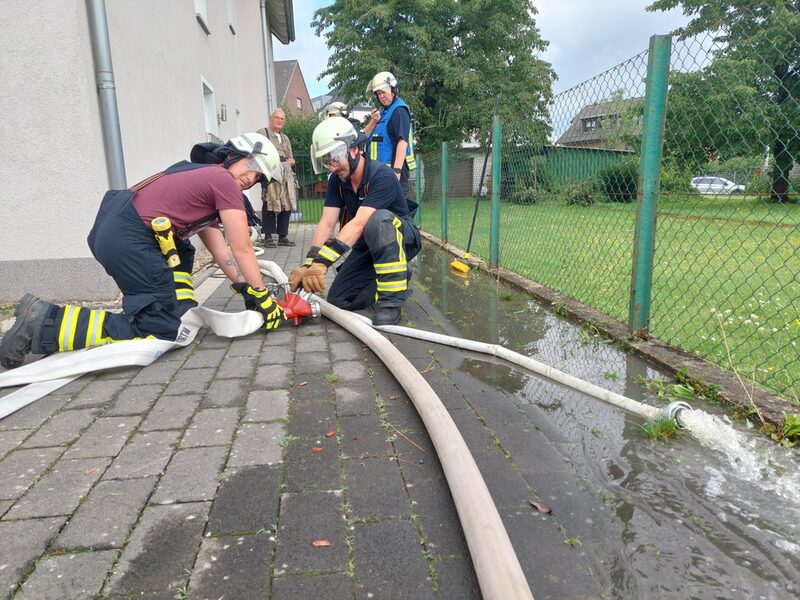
655,102
444,191
494,242
418,189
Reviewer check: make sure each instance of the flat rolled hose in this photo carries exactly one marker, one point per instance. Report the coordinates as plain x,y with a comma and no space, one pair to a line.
496,566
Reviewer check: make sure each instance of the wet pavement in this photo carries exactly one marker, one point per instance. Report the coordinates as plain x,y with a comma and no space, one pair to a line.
292,465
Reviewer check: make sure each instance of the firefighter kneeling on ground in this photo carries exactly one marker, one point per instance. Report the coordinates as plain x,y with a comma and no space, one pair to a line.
377,227
154,274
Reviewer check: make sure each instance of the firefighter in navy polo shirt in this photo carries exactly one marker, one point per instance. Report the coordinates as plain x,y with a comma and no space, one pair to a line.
376,226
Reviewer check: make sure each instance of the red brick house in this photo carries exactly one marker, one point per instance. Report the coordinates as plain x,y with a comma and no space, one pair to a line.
291,89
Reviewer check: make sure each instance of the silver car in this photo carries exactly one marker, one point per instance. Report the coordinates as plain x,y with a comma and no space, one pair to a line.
716,186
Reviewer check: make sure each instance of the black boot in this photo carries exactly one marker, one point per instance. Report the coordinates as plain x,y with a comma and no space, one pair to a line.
386,315
31,313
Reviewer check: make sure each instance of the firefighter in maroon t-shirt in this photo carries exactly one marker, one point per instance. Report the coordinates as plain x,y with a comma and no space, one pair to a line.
195,198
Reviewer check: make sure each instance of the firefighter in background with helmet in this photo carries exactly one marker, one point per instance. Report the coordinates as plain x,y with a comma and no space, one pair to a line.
196,198
390,130
378,227
339,109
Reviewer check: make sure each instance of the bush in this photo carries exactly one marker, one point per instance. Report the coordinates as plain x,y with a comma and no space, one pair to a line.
620,181
759,185
525,196
541,175
676,180
580,192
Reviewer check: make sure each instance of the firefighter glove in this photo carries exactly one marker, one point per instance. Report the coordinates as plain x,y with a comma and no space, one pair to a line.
261,301
296,276
313,279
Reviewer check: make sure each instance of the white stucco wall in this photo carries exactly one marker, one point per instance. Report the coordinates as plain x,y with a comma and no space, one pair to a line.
53,160
52,157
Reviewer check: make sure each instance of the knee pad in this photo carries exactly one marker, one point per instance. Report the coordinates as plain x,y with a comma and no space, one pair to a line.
379,230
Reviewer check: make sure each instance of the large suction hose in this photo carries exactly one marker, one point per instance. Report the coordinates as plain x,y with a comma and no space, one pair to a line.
496,565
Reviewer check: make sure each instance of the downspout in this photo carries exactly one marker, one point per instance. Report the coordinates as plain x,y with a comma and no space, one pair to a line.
269,59
107,93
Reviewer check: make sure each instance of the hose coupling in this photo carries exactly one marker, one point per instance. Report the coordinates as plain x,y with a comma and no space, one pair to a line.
673,409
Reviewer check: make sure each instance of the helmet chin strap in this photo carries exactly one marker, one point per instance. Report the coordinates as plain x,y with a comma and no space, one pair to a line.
353,163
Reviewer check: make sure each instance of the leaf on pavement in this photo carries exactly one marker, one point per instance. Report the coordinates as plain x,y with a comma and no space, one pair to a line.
541,507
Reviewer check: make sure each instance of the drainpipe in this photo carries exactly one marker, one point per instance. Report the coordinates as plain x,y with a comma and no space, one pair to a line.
269,59
107,94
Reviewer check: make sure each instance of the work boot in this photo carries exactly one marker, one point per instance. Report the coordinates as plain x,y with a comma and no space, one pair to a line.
386,315
269,242
285,241
31,313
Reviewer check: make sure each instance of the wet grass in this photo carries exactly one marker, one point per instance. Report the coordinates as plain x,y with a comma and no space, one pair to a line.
721,265
659,429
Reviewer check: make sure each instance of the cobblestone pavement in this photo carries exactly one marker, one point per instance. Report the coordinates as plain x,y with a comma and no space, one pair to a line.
287,465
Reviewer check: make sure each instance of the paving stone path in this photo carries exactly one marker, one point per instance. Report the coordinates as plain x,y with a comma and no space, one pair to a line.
290,465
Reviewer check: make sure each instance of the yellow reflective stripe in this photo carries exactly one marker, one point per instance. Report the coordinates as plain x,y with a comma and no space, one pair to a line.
389,271
69,323
398,224
393,286
183,277
329,253
411,161
373,150
184,294
95,329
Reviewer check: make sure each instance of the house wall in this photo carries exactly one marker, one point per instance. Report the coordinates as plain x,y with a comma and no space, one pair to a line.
297,90
54,173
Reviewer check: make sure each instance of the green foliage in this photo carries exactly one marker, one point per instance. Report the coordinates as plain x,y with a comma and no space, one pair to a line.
299,128
791,426
451,59
749,96
675,178
759,185
581,192
525,196
619,181
660,428
541,174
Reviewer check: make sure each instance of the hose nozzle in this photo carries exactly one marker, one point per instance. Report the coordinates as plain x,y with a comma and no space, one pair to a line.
673,409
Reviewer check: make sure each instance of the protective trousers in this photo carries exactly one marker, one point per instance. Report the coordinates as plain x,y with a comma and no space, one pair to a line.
376,270
154,296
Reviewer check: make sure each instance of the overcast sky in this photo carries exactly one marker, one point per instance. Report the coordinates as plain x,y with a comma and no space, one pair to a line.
586,37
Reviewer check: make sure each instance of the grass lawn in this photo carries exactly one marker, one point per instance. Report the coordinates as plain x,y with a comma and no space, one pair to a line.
726,269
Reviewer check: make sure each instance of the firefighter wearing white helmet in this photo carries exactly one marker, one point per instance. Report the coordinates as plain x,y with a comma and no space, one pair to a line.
376,227
141,238
335,109
390,130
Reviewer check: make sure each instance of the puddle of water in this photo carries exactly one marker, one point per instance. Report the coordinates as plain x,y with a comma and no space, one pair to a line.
717,519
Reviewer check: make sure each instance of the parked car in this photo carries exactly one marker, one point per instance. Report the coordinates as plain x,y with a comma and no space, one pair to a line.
716,186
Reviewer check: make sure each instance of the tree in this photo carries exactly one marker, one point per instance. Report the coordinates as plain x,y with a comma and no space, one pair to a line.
767,34
451,58
715,113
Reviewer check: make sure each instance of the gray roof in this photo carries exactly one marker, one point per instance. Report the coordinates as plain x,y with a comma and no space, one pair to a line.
575,134
283,75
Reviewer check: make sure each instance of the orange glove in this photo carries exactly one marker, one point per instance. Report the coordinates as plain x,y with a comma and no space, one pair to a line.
313,279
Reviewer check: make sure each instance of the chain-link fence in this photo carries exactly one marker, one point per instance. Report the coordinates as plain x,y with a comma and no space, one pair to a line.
725,281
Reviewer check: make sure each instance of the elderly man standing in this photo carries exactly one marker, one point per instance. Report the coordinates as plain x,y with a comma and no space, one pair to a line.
278,197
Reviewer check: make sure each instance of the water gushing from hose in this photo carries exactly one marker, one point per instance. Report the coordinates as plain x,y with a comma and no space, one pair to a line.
762,463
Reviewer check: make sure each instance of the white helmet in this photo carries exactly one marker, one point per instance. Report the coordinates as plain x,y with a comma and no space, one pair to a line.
335,109
382,81
261,153
331,140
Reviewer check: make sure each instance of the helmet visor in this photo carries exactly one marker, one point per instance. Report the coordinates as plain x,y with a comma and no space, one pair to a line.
259,162
332,156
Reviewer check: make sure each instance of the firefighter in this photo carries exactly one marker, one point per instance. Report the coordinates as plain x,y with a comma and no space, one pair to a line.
195,198
377,226
390,130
